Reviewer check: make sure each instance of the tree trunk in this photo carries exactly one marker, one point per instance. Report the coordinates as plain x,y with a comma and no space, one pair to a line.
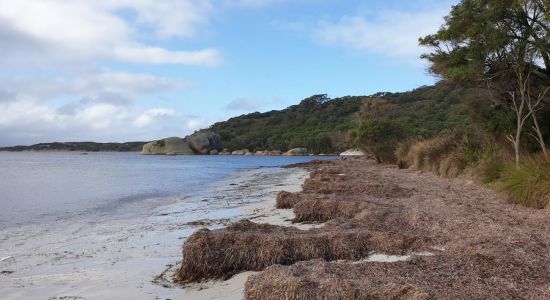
539,136
516,145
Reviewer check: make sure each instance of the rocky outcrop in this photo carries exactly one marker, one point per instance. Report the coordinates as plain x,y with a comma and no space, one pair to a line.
240,152
204,142
168,146
297,152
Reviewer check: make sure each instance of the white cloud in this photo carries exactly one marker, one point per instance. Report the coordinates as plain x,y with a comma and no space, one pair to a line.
245,104
100,85
52,86
149,116
24,122
155,55
195,123
392,34
81,30
123,83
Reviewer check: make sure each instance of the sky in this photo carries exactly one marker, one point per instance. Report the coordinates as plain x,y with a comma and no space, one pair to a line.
140,70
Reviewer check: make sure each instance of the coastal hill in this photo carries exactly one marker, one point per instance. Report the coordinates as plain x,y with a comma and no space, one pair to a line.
323,125
317,123
80,146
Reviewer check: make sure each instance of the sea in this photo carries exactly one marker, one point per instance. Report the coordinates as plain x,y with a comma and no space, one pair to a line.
42,187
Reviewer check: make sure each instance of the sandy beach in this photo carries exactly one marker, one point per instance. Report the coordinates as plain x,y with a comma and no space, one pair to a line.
103,260
351,228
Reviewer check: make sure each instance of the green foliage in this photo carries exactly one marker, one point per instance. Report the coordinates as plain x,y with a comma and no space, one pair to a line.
530,184
491,168
380,138
391,118
317,123
483,39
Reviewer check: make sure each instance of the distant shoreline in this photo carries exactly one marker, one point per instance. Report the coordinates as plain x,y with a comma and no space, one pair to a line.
77,147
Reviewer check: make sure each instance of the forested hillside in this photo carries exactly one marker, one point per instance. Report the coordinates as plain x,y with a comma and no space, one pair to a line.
318,123
323,125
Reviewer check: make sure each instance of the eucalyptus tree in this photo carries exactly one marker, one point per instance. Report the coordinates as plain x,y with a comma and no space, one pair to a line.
503,45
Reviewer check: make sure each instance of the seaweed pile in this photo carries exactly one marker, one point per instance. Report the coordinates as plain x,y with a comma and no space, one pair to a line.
462,241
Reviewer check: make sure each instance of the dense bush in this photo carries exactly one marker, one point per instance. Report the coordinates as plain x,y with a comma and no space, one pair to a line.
528,185
392,118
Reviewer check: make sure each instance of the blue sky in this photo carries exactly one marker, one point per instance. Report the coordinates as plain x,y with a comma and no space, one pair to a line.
122,70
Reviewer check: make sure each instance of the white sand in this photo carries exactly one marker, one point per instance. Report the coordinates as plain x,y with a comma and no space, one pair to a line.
118,259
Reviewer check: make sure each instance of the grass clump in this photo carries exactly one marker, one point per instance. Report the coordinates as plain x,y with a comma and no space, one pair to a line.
528,185
448,154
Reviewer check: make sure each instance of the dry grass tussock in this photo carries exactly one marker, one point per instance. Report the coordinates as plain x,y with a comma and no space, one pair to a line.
530,184
448,154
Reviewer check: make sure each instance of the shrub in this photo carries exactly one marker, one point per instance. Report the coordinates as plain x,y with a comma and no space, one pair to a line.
490,168
448,155
530,184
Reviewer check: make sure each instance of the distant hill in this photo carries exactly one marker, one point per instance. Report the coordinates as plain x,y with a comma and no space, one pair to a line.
322,125
80,146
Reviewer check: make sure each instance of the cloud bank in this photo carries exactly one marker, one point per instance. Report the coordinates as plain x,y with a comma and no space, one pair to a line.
54,83
392,34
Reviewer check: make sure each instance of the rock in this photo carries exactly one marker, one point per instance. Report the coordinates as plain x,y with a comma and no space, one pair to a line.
353,152
204,142
239,152
261,153
275,153
168,146
214,152
248,153
297,152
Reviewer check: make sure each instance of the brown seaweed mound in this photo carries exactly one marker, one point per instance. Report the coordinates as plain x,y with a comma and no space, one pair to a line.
247,246
287,200
480,246
465,276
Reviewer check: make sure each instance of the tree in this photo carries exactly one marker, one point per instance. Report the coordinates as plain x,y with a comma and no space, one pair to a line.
501,44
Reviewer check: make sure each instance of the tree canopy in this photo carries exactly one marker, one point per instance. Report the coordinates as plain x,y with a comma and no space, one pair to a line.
484,39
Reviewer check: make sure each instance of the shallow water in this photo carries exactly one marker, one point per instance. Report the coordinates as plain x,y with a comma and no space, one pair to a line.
39,187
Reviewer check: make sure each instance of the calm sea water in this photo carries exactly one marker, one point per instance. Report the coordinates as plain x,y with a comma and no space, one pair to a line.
39,187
